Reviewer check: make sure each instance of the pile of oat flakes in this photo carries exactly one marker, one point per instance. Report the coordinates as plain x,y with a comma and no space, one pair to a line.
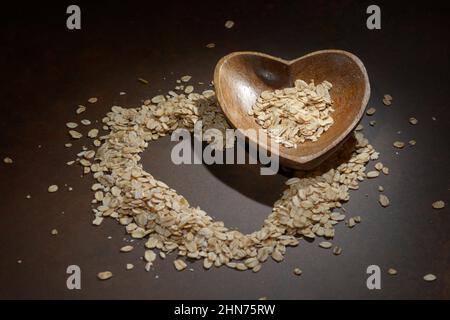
150,209
292,116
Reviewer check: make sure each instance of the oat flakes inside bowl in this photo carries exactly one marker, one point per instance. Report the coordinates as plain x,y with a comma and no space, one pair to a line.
294,115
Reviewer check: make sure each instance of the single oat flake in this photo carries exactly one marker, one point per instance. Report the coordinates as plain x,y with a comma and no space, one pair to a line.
105,275
413,121
179,265
186,78
325,244
438,204
126,249
229,24
337,251
371,111
392,271
71,125
53,188
373,174
8,160
80,109
384,200
429,277
75,134
93,133
399,144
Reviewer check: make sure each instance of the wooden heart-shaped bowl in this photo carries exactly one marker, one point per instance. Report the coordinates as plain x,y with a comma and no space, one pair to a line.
240,77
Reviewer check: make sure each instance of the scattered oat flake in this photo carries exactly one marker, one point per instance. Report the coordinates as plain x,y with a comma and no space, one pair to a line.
412,142
210,45
129,266
229,24
28,196
105,275
372,123
53,188
392,271
337,251
371,111
92,100
373,174
85,122
351,223
186,78
399,144
54,232
97,221
438,204
80,109
325,244
359,127
413,121
75,134
93,133
180,264
126,249
384,200
71,125
297,271
150,256
380,188
387,100
429,277
143,81
8,160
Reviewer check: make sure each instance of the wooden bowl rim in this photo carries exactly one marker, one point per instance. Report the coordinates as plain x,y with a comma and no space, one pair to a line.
307,158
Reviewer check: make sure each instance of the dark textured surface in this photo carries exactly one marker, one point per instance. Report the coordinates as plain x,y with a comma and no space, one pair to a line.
48,70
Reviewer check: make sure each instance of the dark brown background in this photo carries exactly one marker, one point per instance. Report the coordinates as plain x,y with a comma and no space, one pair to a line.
47,70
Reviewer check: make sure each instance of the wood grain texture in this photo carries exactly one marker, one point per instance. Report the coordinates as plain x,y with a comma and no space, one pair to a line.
240,77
